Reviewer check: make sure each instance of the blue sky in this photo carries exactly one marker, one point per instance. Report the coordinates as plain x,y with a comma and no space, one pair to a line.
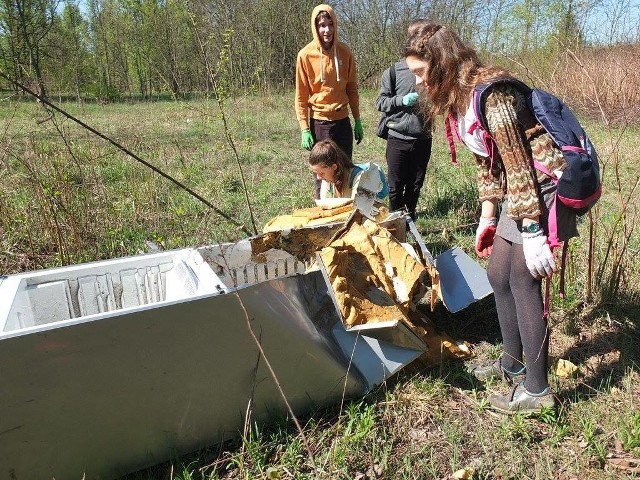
609,20
617,20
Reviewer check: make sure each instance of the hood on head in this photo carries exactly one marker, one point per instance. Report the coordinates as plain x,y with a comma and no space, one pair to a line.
326,8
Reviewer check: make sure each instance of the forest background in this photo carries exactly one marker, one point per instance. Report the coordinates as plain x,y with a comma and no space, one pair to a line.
203,91
123,49
129,53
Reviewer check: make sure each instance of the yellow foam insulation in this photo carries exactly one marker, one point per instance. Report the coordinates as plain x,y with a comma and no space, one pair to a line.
374,279
301,243
367,255
313,216
440,346
373,276
358,290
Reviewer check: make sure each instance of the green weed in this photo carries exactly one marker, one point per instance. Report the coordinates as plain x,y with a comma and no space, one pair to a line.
517,428
630,431
592,436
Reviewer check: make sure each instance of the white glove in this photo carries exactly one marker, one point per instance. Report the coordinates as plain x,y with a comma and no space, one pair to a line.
538,255
485,233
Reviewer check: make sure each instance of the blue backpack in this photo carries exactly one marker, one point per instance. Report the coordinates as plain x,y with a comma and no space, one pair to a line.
579,186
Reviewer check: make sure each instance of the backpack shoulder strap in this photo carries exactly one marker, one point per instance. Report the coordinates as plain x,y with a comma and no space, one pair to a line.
392,76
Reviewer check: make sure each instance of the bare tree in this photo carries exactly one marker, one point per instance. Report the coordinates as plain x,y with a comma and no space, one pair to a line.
26,23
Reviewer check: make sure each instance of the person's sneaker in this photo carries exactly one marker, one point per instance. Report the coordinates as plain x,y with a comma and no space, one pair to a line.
495,370
522,401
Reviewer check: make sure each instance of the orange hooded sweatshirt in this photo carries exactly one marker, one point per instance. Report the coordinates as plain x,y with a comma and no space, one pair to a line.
325,80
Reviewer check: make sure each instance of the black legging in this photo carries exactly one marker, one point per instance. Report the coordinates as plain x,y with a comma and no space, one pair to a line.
520,313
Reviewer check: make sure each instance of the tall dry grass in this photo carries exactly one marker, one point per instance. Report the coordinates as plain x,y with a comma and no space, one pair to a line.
601,82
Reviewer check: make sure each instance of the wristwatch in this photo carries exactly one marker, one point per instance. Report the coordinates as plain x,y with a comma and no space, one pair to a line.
531,228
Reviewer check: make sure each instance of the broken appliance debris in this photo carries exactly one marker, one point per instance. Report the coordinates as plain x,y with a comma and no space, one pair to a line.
113,366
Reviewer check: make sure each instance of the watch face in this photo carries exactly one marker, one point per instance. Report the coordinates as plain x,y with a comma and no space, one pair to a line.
532,228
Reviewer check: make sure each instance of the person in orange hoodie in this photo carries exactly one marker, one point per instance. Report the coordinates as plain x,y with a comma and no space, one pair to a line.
326,87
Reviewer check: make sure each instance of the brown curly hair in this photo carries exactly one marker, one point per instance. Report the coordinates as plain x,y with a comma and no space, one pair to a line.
454,67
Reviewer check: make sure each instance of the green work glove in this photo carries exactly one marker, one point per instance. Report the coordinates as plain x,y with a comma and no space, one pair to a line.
410,99
307,139
358,132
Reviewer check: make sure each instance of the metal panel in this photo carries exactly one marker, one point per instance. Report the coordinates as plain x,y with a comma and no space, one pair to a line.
129,389
377,360
164,362
462,280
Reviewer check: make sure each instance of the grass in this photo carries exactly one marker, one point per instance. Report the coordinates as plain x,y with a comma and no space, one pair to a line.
84,200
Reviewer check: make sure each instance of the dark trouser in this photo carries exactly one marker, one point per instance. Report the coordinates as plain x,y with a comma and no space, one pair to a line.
339,131
406,168
520,313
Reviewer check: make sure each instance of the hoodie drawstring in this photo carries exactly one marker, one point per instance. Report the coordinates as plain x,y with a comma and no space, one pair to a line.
335,61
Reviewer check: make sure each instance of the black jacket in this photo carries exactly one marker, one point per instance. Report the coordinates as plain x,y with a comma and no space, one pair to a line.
407,123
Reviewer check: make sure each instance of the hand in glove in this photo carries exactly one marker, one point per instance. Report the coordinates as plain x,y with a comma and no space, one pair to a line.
538,255
307,140
484,236
410,99
358,132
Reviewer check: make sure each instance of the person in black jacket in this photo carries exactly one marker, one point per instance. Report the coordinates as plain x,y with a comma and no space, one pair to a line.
409,136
